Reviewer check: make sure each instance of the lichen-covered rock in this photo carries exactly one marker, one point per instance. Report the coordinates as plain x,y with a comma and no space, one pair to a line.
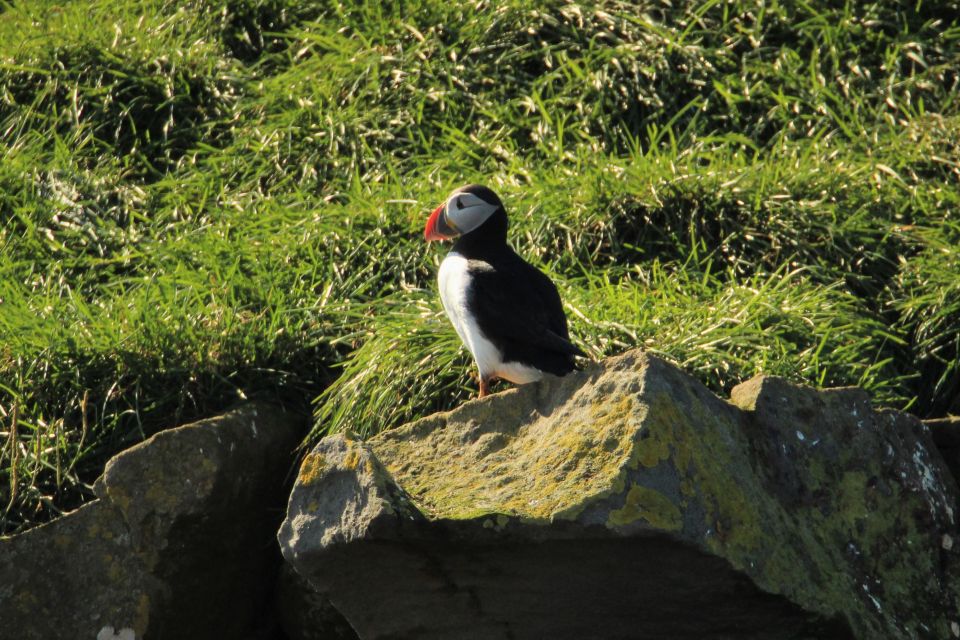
177,546
628,501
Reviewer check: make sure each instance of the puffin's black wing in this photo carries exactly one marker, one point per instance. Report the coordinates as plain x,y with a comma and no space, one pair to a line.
518,308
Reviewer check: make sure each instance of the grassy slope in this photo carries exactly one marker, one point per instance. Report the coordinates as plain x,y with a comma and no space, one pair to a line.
202,201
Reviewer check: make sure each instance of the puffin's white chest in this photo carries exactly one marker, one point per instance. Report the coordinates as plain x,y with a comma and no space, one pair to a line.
454,281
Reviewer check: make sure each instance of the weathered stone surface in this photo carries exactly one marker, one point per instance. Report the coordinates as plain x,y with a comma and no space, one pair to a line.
627,501
177,546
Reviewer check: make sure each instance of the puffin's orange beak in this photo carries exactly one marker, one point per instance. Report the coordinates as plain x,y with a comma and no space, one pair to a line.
437,227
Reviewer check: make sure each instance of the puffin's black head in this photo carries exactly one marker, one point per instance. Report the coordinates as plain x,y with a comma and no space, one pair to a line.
465,210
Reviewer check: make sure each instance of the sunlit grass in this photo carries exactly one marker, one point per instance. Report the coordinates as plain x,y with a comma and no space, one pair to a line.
202,202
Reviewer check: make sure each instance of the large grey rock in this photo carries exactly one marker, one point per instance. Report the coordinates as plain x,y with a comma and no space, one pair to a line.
627,501
178,545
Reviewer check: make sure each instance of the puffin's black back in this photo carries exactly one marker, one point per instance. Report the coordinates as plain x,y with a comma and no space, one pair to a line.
518,308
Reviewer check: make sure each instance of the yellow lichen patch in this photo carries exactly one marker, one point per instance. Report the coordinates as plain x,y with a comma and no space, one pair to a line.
96,530
313,465
142,616
160,495
26,600
119,497
114,570
643,503
352,457
655,445
209,466
526,465
694,443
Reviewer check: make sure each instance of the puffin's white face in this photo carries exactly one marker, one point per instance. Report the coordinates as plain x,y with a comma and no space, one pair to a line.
465,212
461,213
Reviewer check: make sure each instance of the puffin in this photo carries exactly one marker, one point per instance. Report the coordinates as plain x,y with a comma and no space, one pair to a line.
507,313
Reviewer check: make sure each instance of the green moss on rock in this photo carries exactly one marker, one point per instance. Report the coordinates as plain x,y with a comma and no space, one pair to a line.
529,468
643,503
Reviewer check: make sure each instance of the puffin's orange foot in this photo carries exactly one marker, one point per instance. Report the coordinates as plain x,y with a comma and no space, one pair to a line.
484,387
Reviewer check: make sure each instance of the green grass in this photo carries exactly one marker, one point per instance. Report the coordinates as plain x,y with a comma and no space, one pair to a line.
207,201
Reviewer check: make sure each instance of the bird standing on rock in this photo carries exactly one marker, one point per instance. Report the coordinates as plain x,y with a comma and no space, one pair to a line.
506,312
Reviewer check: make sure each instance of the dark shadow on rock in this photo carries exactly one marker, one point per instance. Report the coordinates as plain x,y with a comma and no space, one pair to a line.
578,589
305,613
